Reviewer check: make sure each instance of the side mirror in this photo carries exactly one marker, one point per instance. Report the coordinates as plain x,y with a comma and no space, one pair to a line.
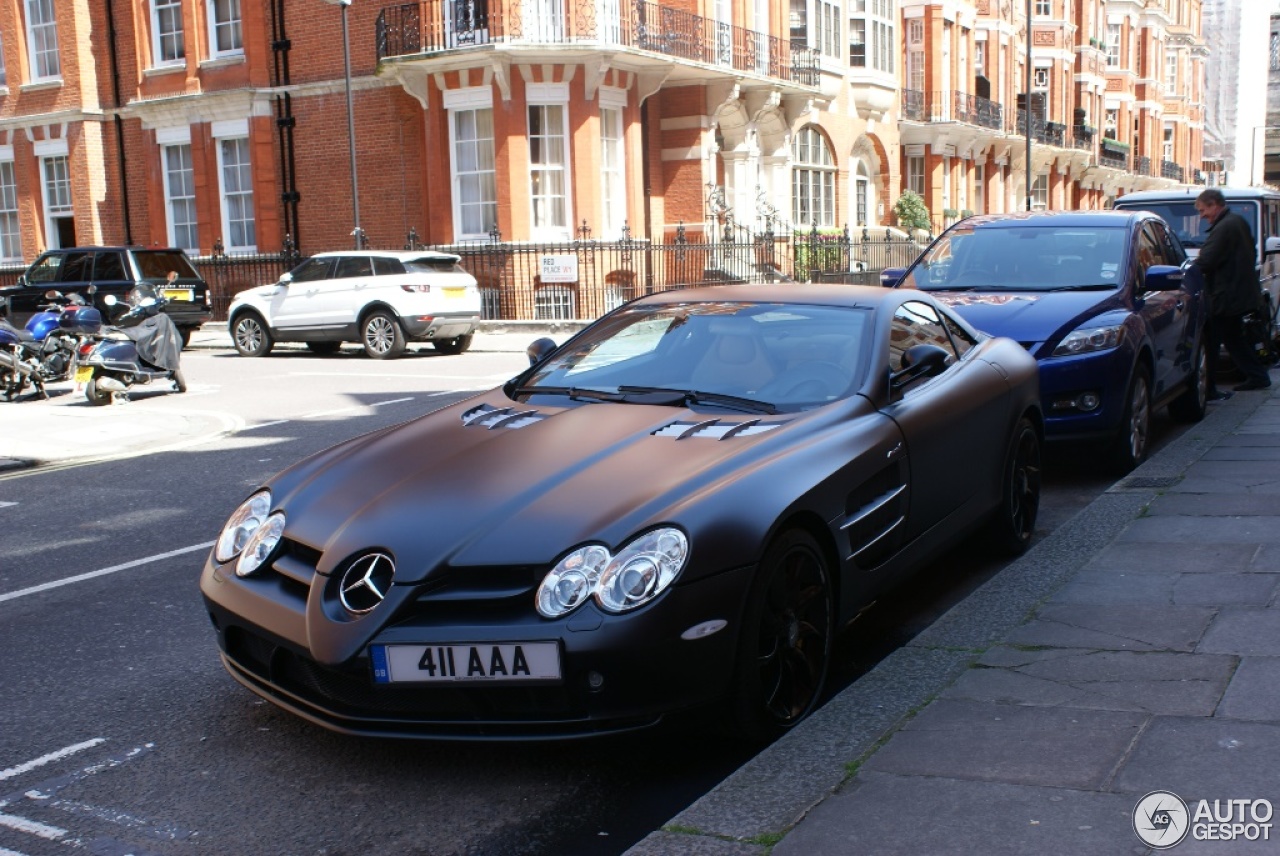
286,278
1162,278
539,349
889,277
22,279
1271,246
920,361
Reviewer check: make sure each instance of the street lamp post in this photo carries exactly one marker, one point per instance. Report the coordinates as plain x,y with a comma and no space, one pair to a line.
356,232
1027,114
1253,150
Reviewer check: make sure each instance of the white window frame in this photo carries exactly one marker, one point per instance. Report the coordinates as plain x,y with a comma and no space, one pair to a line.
826,28
1114,36
179,195
477,100
549,96
613,146
813,178
235,132
915,55
225,17
42,41
915,174
1170,72
55,184
167,31
10,228
1040,192
1044,8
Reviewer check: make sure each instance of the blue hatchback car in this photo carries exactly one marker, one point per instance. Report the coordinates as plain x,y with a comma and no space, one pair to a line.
1107,303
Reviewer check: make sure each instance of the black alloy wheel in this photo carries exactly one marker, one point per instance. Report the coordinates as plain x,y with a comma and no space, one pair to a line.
250,335
785,647
1014,522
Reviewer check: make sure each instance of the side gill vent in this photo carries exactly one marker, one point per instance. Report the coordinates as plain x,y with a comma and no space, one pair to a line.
488,416
714,429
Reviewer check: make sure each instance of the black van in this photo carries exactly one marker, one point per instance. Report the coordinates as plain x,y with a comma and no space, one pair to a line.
114,270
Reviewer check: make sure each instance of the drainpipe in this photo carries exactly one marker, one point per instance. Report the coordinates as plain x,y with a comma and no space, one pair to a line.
119,123
280,46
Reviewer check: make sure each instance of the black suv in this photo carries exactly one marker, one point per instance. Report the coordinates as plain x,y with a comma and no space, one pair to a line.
114,270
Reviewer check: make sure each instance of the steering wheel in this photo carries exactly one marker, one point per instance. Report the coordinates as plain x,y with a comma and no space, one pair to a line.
812,380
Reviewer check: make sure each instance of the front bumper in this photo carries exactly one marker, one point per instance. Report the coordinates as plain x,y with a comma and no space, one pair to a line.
618,672
1065,380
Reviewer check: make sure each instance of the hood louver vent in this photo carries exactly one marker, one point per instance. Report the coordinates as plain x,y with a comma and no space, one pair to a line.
714,429
488,416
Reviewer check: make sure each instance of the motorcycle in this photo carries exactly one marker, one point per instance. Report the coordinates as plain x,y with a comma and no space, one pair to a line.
141,347
46,350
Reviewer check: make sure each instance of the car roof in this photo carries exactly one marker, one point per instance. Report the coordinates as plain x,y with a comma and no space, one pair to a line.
402,255
120,247
1013,219
1190,193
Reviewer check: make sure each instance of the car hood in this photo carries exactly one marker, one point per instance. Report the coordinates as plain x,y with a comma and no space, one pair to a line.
490,482
1029,316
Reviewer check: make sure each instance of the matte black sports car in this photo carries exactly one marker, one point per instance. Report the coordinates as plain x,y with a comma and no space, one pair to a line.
679,506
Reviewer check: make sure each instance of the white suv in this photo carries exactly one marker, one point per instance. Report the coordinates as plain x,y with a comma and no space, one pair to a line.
381,299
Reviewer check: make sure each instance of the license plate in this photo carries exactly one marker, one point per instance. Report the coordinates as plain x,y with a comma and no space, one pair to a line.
479,662
84,374
180,294
455,293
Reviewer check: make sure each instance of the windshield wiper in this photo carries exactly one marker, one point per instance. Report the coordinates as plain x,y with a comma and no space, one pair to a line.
573,392
1092,286
696,396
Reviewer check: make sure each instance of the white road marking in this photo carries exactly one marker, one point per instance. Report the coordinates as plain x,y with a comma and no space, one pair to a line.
7,504
359,409
50,758
4,852
13,595
265,424
21,824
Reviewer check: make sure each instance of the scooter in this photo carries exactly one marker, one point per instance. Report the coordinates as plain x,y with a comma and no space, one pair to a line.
142,347
46,350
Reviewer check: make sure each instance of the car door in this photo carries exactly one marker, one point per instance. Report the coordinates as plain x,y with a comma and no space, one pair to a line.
1166,314
298,304
348,291
954,424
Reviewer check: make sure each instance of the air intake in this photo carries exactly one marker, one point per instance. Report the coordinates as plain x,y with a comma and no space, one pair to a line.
715,429
488,416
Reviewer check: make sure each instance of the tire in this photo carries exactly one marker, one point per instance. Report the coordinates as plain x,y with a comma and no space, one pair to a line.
179,380
1014,523
456,345
381,335
1190,406
784,648
96,397
185,333
1132,441
250,335
324,349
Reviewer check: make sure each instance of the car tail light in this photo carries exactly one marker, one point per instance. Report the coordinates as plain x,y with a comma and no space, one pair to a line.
422,289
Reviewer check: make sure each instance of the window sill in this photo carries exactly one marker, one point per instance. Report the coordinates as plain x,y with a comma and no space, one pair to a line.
53,83
223,61
159,70
4,90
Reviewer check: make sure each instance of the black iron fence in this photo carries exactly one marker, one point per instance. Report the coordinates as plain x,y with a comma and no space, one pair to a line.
585,278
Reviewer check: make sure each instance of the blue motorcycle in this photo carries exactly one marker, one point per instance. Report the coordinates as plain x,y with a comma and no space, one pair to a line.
45,351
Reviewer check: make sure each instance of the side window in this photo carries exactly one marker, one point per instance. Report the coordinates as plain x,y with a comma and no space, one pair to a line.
1148,251
1273,219
916,323
1170,251
312,270
108,266
387,267
45,269
354,266
76,267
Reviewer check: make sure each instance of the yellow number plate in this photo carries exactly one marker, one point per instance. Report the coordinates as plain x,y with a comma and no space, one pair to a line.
84,374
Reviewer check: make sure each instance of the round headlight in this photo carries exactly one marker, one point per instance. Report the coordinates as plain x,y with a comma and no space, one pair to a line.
240,527
571,581
642,570
260,545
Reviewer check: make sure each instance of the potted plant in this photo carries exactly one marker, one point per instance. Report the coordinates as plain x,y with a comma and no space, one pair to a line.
911,211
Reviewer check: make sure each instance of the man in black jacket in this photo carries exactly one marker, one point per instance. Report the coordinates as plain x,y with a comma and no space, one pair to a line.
1228,260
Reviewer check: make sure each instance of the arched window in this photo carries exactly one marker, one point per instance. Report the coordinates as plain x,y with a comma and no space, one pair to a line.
813,180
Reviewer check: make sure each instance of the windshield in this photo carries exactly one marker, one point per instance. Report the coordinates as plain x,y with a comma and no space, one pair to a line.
156,264
1186,223
1022,258
743,356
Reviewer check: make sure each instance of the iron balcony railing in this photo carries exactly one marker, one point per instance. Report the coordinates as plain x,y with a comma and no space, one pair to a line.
951,106
434,26
1169,169
1082,137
